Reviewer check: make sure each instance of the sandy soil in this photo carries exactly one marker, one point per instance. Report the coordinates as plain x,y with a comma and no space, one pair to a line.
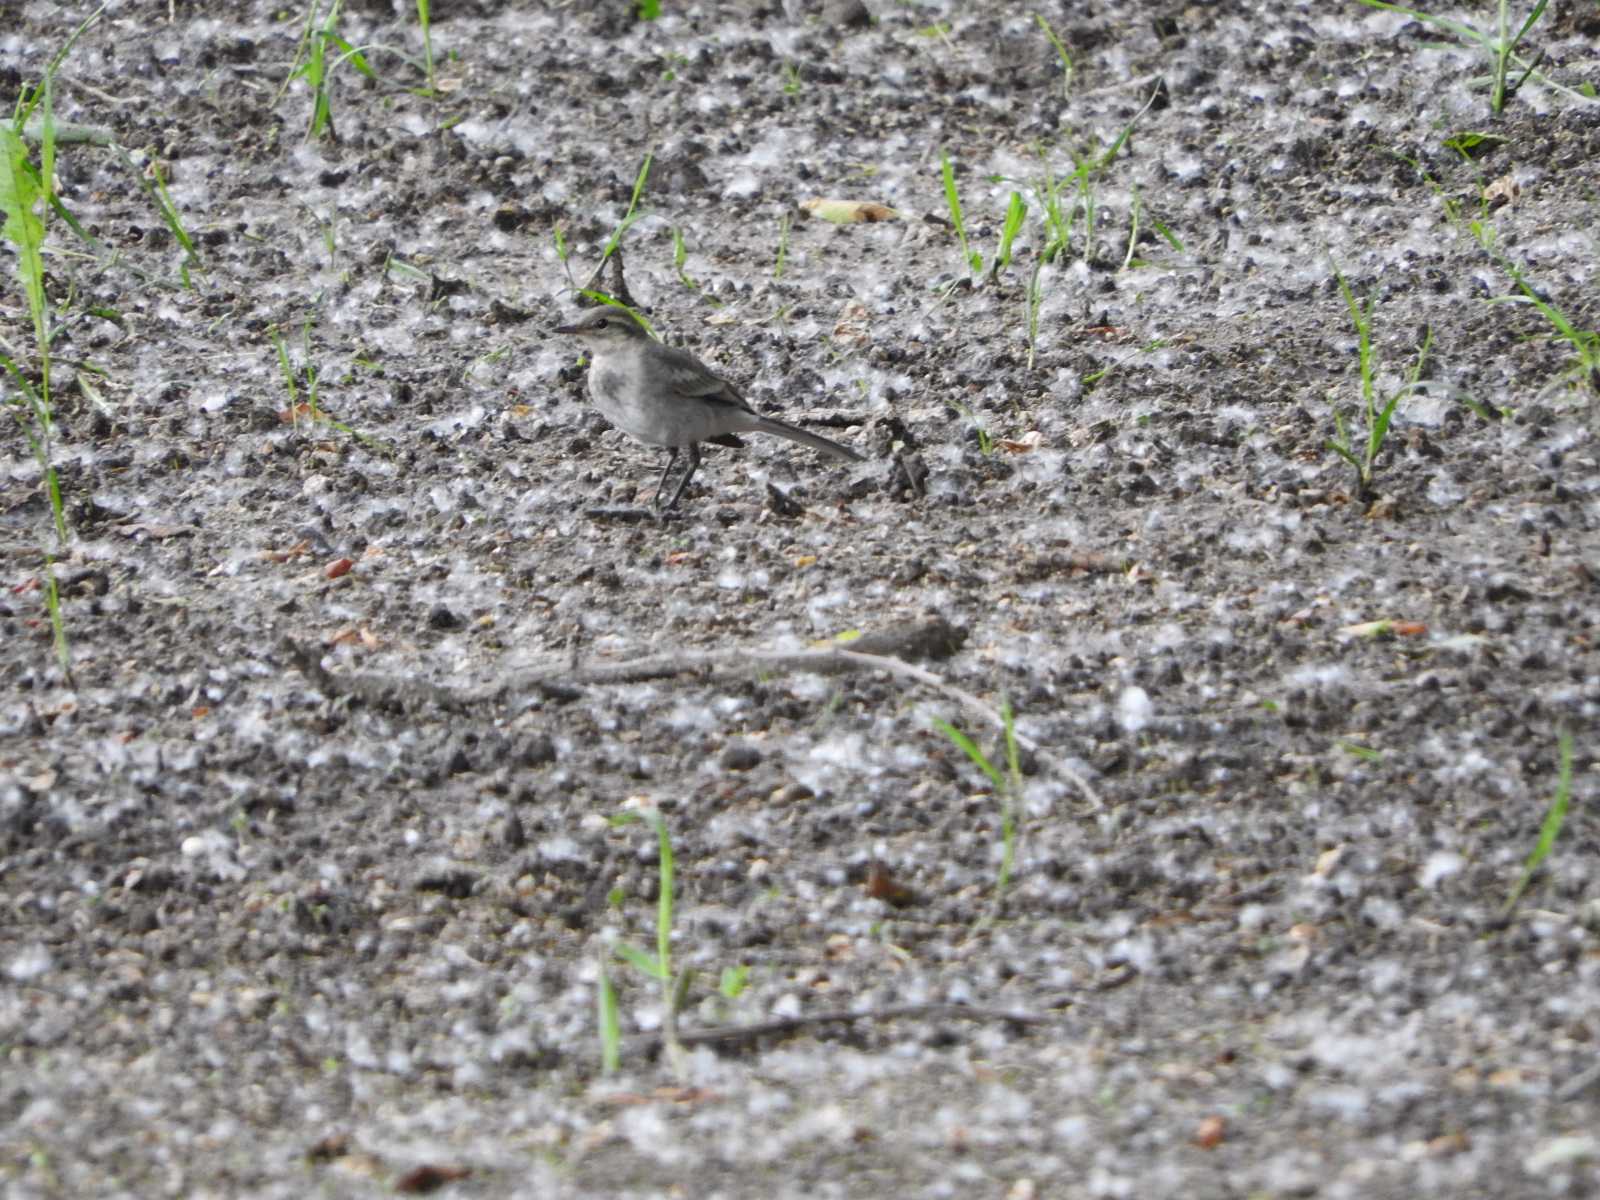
307,867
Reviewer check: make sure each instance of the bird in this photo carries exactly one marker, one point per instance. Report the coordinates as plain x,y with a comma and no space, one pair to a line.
667,397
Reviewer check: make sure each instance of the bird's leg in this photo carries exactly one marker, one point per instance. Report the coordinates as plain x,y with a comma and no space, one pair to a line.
683,484
672,457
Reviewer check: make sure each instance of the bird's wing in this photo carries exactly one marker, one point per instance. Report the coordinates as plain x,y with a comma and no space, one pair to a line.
689,379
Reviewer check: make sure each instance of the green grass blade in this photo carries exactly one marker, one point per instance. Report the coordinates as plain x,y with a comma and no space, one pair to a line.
1378,431
1167,234
424,19
286,368
637,958
1465,32
169,213
1554,818
1133,230
668,869
1361,317
1538,11
680,258
1061,53
1422,358
1016,214
352,55
970,749
632,214
607,1020
953,201
1344,452
1551,313
659,967
23,228
1034,297
52,600
47,138
1013,753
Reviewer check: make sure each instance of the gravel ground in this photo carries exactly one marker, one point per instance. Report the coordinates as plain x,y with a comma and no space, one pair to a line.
308,865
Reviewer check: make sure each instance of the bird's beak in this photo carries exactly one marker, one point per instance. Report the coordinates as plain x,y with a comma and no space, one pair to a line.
566,329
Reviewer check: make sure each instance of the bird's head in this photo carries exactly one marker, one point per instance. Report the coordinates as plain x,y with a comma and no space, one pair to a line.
605,326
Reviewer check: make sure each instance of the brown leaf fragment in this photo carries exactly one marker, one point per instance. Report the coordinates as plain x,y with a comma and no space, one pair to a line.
335,1145
848,212
1501,192
1210,1133
882,885
428,1178
300,548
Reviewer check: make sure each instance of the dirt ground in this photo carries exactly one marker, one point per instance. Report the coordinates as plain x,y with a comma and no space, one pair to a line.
307,867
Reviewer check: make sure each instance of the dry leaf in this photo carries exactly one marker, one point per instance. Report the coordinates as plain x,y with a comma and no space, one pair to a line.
428,1178
673,1095
849,212
1031,440
335,1145
1501,192
851,324
882,885
1210,1133
1447,1144
295,551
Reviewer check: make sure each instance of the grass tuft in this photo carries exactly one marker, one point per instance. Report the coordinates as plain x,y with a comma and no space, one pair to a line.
1378,415
657,966
26,198
1499,47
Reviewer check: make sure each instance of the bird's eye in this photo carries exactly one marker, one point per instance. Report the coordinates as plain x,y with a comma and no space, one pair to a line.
602,323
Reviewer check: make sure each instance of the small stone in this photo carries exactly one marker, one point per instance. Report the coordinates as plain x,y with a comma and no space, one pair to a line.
442,618
515,836
535,750
847,14
740,756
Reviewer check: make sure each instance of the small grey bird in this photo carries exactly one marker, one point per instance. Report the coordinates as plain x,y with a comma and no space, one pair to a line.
667,397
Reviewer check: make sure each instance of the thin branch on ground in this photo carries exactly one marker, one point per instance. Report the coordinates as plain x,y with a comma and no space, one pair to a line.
933,638
723,1035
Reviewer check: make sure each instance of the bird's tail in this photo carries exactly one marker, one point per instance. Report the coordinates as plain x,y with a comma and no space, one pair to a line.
806,438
